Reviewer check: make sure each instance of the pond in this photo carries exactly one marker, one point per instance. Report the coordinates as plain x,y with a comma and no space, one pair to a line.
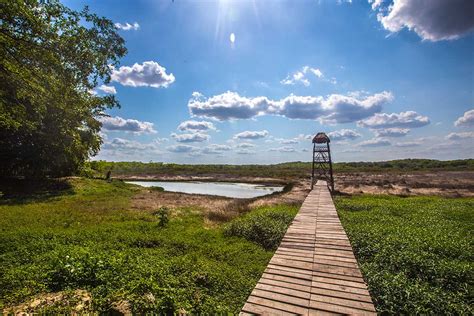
227,189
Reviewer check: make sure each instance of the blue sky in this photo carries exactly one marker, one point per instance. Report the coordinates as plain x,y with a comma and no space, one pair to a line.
386,79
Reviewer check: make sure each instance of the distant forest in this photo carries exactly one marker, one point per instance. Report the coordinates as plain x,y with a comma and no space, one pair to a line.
288,169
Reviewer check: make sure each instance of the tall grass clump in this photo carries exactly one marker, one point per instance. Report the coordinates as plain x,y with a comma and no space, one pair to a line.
415,253
264,226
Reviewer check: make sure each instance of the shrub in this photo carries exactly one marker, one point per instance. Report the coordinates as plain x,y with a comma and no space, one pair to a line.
264,226
162,214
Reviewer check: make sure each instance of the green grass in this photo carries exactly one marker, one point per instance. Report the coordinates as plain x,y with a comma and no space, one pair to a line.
86,237
416,253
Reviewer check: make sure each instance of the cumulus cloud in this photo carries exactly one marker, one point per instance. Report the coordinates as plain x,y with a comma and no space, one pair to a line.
245,145
466,120
246,152
375,142
300,76
107,89
127,145
148,74
251,135
432,20
196,126
391,132
343,134
190,138
216,149
334,108
129,125
127,26
284,149
289,141
459,136
408,119
182,149
408,144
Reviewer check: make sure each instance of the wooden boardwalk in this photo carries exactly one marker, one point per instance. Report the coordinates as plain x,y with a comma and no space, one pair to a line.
313,271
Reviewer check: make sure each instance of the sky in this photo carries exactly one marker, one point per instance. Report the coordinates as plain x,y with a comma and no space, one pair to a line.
251,81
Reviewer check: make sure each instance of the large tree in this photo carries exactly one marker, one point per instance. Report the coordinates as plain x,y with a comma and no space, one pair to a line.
52,58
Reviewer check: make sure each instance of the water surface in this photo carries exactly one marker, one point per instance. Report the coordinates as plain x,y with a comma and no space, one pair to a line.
228,189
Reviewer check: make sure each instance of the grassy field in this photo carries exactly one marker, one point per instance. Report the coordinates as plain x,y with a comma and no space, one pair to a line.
85,237
416,253
81,234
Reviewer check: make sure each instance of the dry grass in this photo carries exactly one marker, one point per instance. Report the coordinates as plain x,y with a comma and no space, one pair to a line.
214,208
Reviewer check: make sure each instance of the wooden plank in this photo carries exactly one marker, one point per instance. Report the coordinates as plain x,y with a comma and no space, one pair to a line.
254,309
279,297
290,274
316,306
343,302
283,290
287,307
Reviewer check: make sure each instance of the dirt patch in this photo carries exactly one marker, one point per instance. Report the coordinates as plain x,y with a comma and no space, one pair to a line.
445,183
77,302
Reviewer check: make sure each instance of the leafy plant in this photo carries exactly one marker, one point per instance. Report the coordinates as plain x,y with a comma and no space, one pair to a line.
416,253
162,214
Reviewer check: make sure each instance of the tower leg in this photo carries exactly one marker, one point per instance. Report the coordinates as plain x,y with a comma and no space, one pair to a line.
312,169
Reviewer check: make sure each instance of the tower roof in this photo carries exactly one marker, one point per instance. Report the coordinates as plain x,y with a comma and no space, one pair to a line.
321,138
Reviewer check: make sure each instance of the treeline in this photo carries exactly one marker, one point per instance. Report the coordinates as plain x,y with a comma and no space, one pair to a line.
283,170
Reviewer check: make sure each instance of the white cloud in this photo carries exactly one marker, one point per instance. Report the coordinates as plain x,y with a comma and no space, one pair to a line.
343,134
196,126
107,89
245,152
245,145
334,108
408,144
289,141
251,135
216,149
190,138
300,76
391,132
466,120
459,136
375,142
182,149
148,74
127,26
302,137
432,20
129,125
284,149
406,119
126,145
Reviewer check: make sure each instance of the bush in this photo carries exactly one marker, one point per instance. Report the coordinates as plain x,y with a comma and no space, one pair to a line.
265,226
162,214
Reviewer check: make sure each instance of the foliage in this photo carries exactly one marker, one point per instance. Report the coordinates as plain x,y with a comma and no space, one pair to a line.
162,214
86,237
265,226
51,57
283,170
416,253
